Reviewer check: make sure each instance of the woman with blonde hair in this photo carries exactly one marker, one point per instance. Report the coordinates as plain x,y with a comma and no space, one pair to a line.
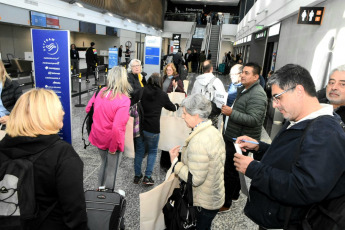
10,92
32,130
111,113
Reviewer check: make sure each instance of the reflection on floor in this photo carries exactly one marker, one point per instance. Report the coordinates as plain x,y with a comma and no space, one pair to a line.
234,220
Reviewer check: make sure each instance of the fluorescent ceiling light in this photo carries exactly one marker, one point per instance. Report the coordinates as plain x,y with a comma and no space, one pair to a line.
143,25
80,5
129,20
110,14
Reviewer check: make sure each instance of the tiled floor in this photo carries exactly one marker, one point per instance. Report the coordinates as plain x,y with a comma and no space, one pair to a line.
234,220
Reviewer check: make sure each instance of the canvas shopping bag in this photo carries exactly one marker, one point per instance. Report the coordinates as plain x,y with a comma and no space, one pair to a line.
2,133
174,131
129,141
152,203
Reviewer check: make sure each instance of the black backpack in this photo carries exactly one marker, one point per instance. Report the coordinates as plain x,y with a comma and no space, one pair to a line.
17,193
88,122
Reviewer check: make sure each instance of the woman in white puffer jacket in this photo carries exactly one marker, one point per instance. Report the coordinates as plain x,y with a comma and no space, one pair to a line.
203,155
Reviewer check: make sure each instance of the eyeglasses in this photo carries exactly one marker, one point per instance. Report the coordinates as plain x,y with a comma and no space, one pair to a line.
276,98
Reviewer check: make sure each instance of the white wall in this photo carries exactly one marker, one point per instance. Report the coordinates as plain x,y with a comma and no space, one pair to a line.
226,46
269,12
102,42
308,45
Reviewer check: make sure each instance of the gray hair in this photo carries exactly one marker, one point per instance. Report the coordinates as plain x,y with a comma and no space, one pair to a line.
340,68
197,104
131,63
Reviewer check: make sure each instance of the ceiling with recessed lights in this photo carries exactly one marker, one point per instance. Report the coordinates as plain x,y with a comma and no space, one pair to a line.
208,2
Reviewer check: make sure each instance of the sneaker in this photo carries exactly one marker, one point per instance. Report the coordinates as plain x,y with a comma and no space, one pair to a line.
87,81
137,179
148,181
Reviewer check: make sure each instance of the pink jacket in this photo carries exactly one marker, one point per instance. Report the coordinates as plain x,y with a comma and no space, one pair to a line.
109,121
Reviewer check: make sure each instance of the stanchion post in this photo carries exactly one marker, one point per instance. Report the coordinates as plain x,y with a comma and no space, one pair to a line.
105,76
96,75
80,104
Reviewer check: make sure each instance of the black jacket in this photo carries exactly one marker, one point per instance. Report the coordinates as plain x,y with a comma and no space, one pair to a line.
133,80
280,180
58,176
340,110
120,52
10,94
153,100
91,56
74,54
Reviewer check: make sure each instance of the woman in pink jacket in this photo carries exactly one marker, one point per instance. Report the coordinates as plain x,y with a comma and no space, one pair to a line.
111,113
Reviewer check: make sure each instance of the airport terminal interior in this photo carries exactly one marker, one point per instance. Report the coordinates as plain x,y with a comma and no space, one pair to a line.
310,33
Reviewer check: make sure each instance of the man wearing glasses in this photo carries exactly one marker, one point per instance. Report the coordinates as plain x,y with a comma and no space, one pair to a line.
245,117
304,165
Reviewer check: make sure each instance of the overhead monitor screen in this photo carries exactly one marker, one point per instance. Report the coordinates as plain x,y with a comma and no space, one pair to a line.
38,19
53,21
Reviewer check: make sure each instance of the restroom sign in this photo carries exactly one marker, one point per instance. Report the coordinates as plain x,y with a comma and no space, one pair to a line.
310,15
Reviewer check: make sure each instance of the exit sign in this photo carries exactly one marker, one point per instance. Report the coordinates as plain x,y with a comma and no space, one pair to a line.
259,27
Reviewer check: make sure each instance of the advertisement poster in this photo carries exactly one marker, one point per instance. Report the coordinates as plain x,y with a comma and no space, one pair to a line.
52,69
113,57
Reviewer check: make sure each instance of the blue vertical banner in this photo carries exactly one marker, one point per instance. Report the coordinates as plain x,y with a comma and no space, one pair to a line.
113,57
153,46
52,69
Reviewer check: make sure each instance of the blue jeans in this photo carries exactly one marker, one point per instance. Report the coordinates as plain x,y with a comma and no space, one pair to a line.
204,218
108,168
151,140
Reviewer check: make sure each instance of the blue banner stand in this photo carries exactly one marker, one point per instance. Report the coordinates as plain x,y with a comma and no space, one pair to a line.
113,57
52,70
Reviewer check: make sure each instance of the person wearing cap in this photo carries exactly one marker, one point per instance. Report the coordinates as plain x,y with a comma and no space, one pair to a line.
91,60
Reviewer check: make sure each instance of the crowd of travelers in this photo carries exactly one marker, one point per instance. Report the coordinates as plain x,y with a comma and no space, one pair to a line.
301,168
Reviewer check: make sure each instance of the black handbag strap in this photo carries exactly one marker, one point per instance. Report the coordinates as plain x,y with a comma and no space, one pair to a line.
82,128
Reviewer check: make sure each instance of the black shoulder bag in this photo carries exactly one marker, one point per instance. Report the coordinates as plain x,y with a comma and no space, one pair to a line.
179,212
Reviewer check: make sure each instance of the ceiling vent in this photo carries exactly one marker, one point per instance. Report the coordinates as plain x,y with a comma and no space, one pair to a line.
81,15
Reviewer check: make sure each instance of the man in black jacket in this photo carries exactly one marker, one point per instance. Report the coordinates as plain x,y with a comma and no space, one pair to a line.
304,165
91,60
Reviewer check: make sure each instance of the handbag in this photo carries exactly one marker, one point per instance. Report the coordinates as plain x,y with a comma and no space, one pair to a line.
137,112
174,130
179,212
152,203
129,141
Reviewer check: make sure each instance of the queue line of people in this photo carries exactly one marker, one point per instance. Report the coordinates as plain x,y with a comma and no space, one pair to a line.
280,178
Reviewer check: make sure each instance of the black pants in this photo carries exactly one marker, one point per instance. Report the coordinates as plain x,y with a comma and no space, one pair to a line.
231,178
88,68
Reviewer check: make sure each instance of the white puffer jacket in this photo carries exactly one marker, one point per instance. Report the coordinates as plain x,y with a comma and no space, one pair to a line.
204,156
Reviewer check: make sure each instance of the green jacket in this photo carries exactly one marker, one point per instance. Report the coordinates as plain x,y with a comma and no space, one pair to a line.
248,113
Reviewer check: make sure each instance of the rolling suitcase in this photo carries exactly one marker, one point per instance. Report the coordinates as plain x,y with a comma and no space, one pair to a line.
105,208
221,68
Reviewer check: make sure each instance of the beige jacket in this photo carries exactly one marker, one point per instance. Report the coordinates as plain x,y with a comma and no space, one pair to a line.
204,156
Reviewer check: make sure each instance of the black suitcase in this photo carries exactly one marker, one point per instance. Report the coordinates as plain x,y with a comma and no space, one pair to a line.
105,208
183,72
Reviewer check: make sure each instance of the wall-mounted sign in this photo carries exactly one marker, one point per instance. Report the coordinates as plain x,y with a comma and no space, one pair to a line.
176,38
261,34
274,30
153,46
259,27
310,15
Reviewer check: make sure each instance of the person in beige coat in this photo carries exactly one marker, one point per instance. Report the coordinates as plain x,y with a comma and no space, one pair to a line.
203,155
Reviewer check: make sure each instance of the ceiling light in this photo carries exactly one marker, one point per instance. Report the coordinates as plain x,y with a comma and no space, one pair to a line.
129,20
110,14
80,5
143,25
